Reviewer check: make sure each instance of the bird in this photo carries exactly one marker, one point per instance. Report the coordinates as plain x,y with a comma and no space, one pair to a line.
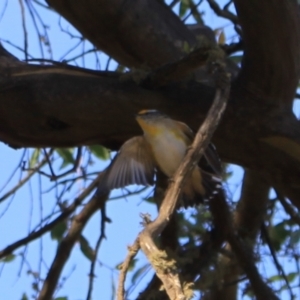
163,146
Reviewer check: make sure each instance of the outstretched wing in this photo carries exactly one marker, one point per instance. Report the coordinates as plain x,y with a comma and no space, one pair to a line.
133,164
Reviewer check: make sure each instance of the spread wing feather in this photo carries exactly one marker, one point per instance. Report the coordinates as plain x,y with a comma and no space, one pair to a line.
133,164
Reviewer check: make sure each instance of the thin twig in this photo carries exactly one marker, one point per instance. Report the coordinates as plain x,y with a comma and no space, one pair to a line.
132,252
224,13
52,175
29,174
24,29
288,208
49,162
66,245
166,268
246,260
67,212
279,267
102,236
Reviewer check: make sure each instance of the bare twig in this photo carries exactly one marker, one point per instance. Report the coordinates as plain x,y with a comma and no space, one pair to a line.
229,49
74,168
49,162
132,252
194,11
53,176
222,217
24,29
245,258
66,245
224,13
248,218
102,236
30,173
279,268
288,208
166,268
67,212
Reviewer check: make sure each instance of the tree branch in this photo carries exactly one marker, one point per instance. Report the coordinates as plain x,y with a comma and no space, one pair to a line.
271,35
164,267
66,245
66,213
144,23
248,219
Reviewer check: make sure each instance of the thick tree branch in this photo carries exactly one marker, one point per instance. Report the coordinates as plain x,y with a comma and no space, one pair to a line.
87,102
271,35
272,62
121,24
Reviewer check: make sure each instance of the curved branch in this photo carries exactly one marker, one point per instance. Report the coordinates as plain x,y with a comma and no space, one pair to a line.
271,35
164,267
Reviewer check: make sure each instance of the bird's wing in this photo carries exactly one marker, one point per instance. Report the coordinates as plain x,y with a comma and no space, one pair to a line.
212,162
213,159
133,164
188,132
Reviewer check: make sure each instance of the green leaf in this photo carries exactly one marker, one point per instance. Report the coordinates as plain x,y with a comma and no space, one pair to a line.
295,237
186,47
61,298
24,297
58,231
34,158
236,58
292,276
275,278
8,258
150,199
139,272
278,234
86,249
67,156
100,152
184,5
130,267
197,15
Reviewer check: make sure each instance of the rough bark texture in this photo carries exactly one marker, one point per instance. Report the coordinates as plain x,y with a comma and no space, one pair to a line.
60,106
248,219
53,107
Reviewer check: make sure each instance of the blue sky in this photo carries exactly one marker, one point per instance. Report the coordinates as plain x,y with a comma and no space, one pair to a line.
20,214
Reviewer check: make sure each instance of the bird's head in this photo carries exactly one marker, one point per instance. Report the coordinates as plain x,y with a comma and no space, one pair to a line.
151,120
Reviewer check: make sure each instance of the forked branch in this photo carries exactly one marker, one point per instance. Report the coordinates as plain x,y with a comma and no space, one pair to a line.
165,267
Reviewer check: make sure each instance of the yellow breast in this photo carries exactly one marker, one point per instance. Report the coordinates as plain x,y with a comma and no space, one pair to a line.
168,151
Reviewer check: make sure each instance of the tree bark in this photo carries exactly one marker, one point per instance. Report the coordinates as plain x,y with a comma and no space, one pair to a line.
248,219
44,106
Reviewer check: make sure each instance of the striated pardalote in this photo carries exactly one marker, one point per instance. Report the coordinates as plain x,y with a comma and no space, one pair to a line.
163,146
